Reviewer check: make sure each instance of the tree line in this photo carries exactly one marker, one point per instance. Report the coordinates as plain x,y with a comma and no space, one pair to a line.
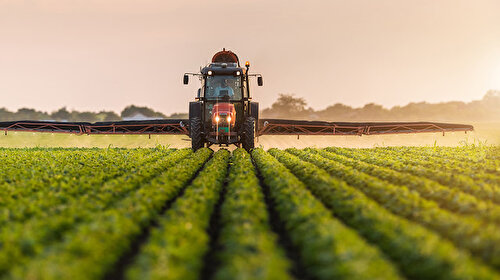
291,107
76,116
486,109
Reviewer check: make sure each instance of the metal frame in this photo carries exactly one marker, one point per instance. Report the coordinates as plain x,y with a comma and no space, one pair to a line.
139,129
298,128
45,127
266,127
75,128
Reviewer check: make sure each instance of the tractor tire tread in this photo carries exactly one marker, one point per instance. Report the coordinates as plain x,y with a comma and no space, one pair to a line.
196,133
248,136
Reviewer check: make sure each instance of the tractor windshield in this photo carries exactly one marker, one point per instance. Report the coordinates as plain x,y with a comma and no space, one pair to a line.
222,87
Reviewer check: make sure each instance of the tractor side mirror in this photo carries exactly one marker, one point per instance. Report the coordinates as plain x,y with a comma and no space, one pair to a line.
186,79
259,81
199,93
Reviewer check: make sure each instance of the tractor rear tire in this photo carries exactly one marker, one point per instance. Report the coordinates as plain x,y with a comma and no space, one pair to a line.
248,135
196,133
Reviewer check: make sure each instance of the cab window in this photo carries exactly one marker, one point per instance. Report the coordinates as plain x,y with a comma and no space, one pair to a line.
223,87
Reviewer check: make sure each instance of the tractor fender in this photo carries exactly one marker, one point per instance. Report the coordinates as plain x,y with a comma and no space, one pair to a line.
194,110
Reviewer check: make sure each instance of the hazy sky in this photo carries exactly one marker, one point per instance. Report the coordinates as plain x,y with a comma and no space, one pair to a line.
97,54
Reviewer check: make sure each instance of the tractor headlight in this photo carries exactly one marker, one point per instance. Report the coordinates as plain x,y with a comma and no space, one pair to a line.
228,119
209,73
217,119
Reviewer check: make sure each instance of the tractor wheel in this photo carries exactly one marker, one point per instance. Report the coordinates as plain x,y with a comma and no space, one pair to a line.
248,135
196,133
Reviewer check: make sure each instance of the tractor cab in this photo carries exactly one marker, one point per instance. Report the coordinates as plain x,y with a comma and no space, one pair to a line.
223,107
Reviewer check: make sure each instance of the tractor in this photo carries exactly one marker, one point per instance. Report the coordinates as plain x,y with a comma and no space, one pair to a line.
223,112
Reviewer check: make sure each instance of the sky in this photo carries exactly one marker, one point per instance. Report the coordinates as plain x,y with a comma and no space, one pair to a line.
107,54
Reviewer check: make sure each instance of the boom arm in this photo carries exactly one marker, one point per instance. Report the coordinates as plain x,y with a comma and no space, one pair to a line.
170,126
296,127
265,127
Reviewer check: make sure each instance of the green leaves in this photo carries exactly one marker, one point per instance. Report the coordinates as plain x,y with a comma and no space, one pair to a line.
335,213
91,249
176,248
248,247
419,253
327,248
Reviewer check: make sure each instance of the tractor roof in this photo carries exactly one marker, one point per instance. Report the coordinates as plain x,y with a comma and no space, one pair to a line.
222,68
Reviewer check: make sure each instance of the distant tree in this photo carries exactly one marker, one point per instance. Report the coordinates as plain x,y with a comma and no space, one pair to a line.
31,114
337,112
85,116
107,116
492,96
132,110
288,106
61,115
411,111
6,115
339,108
178,116
372,111
289,103
291,107
486,109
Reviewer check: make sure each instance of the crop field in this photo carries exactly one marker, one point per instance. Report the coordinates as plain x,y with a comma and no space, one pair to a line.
330,213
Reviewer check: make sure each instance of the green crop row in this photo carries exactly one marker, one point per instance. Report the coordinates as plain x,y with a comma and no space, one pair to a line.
21,167
247,246
485,156
466,232
20,179
24,240
476,159
327,249
35,196
334,213
90,250
479,172
462,182
418,252
446,197
176,248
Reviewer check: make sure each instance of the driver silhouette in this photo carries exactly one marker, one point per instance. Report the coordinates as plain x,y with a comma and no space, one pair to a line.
223,89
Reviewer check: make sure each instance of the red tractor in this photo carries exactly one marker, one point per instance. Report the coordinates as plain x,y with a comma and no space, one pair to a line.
223,113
